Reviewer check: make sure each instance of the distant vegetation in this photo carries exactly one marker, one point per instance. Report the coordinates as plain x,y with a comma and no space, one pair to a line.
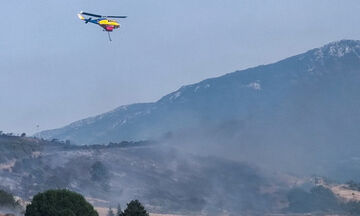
14,147
353,185
60,203
134,208
100,174
7,199
123,144
319,199
8,203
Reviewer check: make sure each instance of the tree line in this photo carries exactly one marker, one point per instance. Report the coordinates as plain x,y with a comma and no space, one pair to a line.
68,203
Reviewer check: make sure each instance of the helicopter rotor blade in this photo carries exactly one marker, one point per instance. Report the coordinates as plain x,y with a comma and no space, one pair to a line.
120,17
90,14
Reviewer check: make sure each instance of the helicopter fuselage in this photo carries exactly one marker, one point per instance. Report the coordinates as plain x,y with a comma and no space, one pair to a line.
107,25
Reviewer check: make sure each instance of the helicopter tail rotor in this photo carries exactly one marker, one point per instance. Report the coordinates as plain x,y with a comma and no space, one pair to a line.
81,17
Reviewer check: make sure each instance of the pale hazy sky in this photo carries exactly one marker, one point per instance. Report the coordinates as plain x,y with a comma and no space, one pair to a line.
55,69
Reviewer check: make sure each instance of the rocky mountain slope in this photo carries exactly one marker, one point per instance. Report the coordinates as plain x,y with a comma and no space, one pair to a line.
290,89
319,82
304,110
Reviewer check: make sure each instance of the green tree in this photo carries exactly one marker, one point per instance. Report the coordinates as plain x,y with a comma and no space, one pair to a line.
60,203
67,212
135,208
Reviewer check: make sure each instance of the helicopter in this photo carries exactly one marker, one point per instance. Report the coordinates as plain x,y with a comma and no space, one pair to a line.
107,24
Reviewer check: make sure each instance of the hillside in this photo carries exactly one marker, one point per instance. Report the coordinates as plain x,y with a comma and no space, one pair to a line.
288,89
304,110
14,148
167,181
163,178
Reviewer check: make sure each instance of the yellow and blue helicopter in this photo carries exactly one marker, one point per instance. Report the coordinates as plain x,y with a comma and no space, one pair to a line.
107,24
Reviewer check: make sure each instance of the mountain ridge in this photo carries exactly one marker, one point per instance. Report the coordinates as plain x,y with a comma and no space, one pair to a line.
237,95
